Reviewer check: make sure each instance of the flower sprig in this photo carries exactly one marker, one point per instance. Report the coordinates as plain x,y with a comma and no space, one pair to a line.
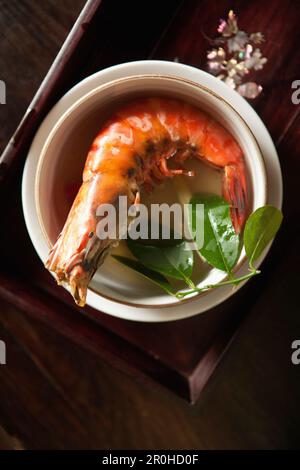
235,55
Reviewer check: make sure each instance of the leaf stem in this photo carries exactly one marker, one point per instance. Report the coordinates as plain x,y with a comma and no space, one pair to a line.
189,282
232,281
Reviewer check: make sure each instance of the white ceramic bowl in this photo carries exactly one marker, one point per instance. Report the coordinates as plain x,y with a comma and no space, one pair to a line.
63,156
103,77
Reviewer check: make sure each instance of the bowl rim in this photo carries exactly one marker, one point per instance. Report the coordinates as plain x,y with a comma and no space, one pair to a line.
96,91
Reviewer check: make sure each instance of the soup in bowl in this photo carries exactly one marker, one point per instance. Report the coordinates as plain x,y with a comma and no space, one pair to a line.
63,157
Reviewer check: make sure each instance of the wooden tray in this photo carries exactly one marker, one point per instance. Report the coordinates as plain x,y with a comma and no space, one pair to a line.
179,355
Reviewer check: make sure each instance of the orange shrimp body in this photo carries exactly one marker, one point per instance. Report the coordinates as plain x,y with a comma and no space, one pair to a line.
130,152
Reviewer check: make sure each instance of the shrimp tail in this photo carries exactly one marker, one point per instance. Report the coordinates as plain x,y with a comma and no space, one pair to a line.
79,269
82,273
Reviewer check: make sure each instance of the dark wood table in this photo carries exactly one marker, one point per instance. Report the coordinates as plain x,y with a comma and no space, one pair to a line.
56,393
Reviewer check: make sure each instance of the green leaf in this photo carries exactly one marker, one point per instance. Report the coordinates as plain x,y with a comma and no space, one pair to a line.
261,227
175,261
152,276
221,244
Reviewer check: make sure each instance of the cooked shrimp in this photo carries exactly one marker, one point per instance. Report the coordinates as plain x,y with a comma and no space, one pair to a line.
130,152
